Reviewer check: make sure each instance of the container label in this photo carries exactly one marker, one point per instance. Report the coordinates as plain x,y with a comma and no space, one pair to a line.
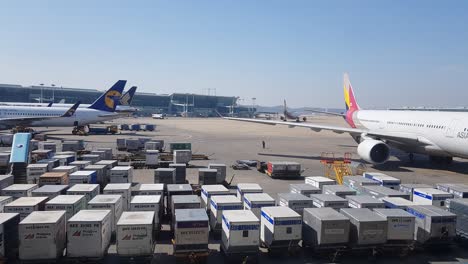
373,232
334,231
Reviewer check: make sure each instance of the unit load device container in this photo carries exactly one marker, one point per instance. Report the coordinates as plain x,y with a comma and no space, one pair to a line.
295,201
367,228
325,228
280,227
255,201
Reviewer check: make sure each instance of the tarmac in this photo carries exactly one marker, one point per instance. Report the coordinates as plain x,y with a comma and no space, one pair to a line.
226,141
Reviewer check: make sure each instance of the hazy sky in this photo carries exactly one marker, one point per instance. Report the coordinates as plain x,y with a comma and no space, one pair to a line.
398,53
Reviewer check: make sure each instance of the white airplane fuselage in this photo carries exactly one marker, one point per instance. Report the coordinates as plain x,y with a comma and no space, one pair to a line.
119,108
446,133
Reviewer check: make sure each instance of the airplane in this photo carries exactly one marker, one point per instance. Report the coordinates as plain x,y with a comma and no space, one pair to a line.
124,105
288,115
30,116
439,135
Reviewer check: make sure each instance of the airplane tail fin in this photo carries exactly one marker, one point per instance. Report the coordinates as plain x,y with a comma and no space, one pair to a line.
110,99
127,98
72,110
50,104
350,100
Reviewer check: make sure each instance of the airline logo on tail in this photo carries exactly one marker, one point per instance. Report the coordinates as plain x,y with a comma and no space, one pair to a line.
111,98
126,99
350,101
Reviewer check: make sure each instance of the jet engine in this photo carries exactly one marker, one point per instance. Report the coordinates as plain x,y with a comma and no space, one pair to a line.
373,151
304,119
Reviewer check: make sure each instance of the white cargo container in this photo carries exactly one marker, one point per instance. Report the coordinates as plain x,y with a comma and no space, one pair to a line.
108,153
150,189
401,224
109,163
357,182
220,204
177,189
295,201
209,190
34,171
241,232
102,172
304,189
383,180
255,201
89,233
191,231
182,156
338,190
243,188
367,228
184,202
281,227
100,153
72,204
433,224
221,172
25,206
408,188
82,177
319,181
67,169
42,236
19,190
64,160
397,202
121,174
91,157
364,201
325,228
165,175
123,189
151,157
150,203
80,164
5,181
328,200
9,236
430,196
48,145
459,190
88,190
3,201
380,192
108,202
135,234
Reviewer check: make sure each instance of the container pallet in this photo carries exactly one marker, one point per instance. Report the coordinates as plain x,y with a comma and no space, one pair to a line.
190,256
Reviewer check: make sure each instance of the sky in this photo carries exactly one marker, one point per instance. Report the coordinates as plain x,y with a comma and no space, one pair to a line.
397,53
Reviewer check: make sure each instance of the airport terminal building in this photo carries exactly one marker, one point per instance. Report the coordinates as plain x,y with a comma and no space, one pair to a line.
195,105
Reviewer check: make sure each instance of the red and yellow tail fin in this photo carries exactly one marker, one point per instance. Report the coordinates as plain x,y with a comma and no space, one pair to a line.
350,100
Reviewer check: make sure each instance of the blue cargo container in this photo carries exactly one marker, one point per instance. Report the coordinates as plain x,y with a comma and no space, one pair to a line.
135,127
150,127
124,127
20,148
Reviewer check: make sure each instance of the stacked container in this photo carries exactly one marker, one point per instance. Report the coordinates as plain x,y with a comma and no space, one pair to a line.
408,188
364,201
328,200
182,156
19,190
151,158
209,190
281,227
88,190
34,171
460,208
135,234
68,169
367,228
325,228
80,164
101,173
221,172
123,189
110,202
338,190
220,204
241,232
244,188
207,176
150,203
9,235
319,181
397,202
401,225
25,206
72,204
304,189
383,179
110,163
295,201
83,177
177,189
181,172
50,191
91,157
184,202
458,190
433,224
430,196
121,174
191,231
255,201
165,175
150,189
380,192
54,178
356,183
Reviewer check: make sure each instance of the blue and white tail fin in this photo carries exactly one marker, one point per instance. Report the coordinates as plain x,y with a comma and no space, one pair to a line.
110,99
127,98
72,110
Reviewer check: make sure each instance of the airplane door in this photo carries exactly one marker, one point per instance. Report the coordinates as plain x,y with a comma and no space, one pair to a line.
451,130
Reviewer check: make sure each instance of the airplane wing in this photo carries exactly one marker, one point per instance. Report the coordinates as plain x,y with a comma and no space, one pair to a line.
325,112
28,119
400,138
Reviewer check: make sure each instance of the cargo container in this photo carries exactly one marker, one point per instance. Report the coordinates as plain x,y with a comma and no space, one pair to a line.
135,127
191,231
325,228
408,188
142,141
150,127
220,204
304,189
34,144
9,236
89,234
121,174
177,189
401,225
6,139
150,203
244,188
135,234
459,190
241,232
184,202
364,201
430,196
50,191
80,164
319,181
3,201
442,186
19,190
72,146
151,157
280,227
209,190
72,204
91,157
380,192
396,202
295,201
42,236
112,202
67,153
25,206
83,177
207,176
101,173
338,190
221,172
121,144
88,190
108,151
132,144
5,181
68,169
150,189
182,156
328,200
357,182
367,228
179,146
433,224
54,178
286,169
165,175
256,201
123,189
153,145
34,171
459,207
65,160
383,179
110,163
180,173
39,154
51,163
4,159
100,153
48,145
